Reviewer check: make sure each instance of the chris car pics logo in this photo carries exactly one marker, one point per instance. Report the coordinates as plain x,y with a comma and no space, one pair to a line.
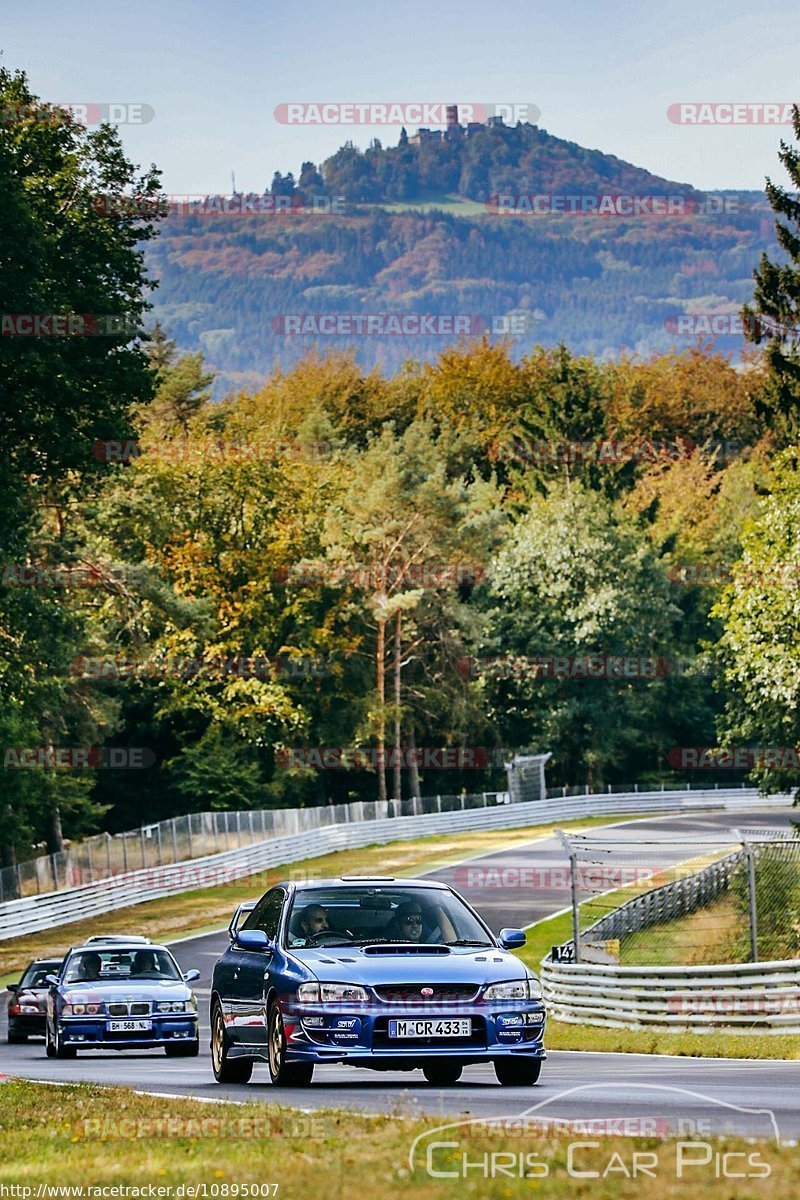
576,1134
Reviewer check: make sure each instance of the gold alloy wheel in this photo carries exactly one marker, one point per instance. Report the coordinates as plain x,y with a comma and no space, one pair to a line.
276,1043
217,1038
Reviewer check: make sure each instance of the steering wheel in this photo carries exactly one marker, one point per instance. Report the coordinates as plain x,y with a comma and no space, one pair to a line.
341,937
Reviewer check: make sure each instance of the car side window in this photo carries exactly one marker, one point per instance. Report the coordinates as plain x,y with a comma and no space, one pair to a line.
267,914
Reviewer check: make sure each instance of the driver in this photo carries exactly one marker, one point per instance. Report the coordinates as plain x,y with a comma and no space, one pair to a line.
406,924
144,963
314,920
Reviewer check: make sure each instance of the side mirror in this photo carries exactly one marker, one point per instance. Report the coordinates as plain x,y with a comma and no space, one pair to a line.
512,939
12,987
190,976
252,939
52,980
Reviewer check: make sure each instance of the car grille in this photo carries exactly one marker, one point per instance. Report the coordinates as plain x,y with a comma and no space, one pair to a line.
382,1041
139,1008
411,993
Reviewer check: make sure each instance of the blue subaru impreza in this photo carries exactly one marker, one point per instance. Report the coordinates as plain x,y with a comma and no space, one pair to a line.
119,994
373,972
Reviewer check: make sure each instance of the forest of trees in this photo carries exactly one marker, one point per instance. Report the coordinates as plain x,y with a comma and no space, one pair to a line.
347,558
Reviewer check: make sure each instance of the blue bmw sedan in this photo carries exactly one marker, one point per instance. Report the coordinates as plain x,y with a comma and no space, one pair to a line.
111,994
372,972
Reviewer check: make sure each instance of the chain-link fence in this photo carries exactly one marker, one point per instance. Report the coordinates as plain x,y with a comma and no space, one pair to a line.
190,837
690,899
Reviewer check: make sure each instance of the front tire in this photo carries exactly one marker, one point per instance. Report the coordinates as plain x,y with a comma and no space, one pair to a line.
280,1072
226,1070
59,1049
442,1073
517,1072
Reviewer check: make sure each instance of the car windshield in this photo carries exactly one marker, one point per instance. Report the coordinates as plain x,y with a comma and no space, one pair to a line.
36,974
366,914
113,965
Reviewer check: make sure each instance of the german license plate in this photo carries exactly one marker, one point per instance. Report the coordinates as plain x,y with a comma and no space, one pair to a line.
459,1027
129,1026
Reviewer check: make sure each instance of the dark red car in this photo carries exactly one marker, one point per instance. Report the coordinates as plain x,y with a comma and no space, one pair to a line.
28,1004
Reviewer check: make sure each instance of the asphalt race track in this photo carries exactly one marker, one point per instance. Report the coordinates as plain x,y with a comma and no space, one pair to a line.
690,1096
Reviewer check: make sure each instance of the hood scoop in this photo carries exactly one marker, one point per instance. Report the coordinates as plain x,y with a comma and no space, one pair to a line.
405,948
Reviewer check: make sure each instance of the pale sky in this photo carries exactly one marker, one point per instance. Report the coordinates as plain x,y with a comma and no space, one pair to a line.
602,75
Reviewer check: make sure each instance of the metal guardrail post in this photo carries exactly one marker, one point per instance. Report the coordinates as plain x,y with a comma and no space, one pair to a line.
144,847
174,842
751,894
573,886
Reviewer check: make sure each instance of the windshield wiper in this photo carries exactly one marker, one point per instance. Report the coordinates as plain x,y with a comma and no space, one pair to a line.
467,942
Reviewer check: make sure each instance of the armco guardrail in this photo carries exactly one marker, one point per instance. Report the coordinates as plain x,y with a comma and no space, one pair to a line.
761,998
667,903
359,825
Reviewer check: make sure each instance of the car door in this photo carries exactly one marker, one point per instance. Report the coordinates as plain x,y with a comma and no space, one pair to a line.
251,973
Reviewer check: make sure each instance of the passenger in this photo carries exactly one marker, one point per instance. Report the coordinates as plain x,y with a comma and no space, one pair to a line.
90,966
406,924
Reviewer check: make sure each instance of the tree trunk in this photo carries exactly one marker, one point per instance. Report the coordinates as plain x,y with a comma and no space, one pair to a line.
381,680
53,834
8,860
413,772
398,646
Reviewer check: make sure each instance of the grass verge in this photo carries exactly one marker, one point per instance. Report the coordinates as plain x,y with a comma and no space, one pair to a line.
562,1036
207,909
93,1137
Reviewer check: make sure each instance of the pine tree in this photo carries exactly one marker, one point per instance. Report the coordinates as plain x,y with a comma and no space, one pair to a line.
774,318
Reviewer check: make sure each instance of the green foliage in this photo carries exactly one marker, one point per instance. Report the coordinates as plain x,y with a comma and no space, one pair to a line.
576,579
758,648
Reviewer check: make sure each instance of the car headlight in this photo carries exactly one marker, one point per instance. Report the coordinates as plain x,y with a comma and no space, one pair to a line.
332,993
93,1009
171,1006
514,989
77,1009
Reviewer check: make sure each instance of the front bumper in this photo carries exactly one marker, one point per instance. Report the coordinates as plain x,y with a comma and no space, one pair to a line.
352,1033
92,1033
30,1024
